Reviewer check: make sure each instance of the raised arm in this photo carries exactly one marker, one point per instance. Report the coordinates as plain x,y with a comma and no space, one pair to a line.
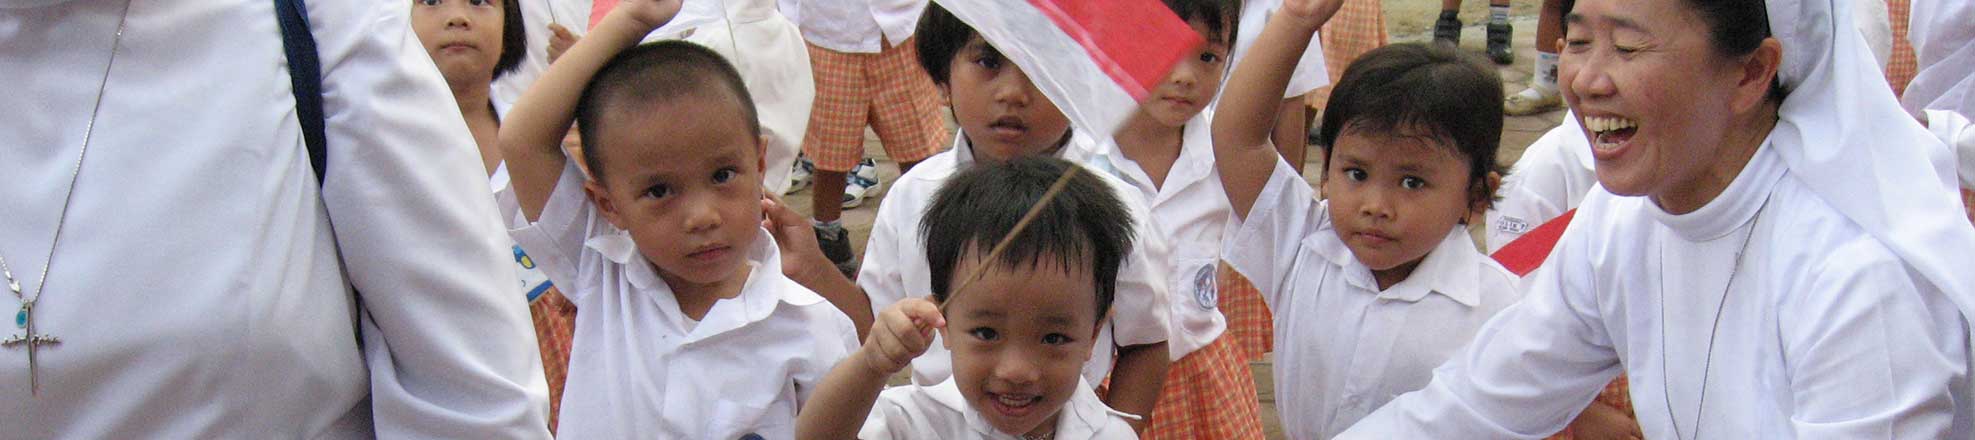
1248,108
531,136
842,403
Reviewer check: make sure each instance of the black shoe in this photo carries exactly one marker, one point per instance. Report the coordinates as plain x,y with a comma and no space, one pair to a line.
1448,28
1498,43
837,247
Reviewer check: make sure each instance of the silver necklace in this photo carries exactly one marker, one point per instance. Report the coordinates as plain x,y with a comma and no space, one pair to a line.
24,319
1708,364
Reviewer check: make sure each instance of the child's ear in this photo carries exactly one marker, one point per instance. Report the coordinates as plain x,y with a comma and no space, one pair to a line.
601,197
945,94
1483,197
761,154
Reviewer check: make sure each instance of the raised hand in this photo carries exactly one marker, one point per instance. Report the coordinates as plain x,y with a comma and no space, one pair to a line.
560,39
900,334
1312,12
649,14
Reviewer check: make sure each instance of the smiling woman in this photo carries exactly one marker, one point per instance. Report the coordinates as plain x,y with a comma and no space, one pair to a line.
1771,254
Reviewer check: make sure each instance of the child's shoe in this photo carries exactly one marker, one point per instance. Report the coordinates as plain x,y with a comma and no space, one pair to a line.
1498,43
836,245
801,174
862,183
1448,28
1531,101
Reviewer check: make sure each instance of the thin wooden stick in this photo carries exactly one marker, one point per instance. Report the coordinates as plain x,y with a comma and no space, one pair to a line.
985,262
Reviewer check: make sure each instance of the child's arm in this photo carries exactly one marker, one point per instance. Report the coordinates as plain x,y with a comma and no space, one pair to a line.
1253,97
1137,379
843,400
804,263
1604,422
531,136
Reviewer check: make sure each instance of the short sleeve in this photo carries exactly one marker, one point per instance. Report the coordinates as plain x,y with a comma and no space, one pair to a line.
1140,312
1263,245
893,418
556,239
879,273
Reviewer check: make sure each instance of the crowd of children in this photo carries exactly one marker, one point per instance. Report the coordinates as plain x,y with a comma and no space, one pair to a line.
1039,279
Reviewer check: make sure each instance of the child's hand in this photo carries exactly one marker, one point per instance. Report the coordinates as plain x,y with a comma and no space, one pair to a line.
802,258
560,39
649,14
1603,422
1310,12
901,333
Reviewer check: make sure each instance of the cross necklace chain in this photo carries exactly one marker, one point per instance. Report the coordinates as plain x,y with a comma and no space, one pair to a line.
1708,364
24,319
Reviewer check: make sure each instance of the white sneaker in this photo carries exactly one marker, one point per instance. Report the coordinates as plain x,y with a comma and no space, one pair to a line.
800,175
861,183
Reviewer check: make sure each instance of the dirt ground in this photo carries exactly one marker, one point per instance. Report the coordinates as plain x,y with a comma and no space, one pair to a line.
1406,21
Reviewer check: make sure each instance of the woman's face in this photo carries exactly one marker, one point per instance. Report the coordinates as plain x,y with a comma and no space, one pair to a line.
463,37
1657,100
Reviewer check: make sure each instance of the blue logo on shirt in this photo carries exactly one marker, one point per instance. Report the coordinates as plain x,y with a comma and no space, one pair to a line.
1204,289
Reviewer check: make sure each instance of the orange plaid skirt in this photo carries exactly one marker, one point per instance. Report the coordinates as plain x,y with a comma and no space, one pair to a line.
1901,67
1358,27
1617,394
1209,394
886,90
1250,323
555,326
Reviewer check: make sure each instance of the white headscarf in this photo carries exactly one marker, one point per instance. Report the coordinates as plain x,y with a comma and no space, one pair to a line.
1843,134
1943,37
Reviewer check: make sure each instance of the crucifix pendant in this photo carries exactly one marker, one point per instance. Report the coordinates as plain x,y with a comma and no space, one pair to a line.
25,320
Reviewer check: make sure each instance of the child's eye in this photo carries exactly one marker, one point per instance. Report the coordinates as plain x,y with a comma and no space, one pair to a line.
985,334
427,2
1210,57
1411,182
1356,174
658,191
724,175
989,60
480,2
1056,339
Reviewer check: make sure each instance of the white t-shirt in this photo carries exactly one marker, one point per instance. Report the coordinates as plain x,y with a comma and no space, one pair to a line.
198,288
1191,211
857,26
1344,347
895,264
1553,176
1818,331
639,367
913,412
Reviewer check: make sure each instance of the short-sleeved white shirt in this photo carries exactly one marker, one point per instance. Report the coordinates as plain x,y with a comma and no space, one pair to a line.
895,264
1191,210
640,368
913,412
1348,347
856,26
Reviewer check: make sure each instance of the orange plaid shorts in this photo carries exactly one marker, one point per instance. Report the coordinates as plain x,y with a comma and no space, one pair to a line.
1901,67
1358,27
886,90
1209,394
1250,323
555,327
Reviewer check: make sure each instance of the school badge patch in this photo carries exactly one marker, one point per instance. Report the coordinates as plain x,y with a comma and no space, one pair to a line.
1205,291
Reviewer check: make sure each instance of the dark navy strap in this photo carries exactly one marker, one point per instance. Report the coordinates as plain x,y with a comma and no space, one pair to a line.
305,73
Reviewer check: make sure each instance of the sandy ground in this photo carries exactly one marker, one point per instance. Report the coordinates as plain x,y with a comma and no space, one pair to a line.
1406,21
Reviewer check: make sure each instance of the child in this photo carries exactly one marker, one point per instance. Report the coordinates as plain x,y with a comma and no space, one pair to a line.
688,329
1002,116
1375,287
1024,327
861,53
473,44
1166,153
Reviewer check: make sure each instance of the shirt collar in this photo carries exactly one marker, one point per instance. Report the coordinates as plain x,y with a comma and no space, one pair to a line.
1735,206
1078,149
1194,165
1081,417
764,289
1451,269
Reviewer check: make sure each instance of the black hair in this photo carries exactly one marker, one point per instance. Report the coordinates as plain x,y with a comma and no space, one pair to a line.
1735,28
1222,17
1086,224
514,41
939,38
1427,90
659,71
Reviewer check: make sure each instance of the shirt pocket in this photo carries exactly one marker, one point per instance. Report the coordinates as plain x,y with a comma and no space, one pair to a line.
752,421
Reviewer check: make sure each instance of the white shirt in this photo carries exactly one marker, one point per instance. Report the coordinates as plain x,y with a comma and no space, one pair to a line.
1823,332
1310,73
641,368
1353,347
1553,176
857,26
1191,212
197,288
913,412
895,265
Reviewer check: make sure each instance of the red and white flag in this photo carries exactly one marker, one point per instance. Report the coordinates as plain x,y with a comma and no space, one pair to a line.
1095,59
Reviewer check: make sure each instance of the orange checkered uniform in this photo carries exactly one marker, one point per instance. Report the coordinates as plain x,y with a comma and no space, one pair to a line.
887,91
1211,393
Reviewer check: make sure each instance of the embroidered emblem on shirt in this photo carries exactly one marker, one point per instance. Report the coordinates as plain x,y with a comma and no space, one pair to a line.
1204,290
1512,225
